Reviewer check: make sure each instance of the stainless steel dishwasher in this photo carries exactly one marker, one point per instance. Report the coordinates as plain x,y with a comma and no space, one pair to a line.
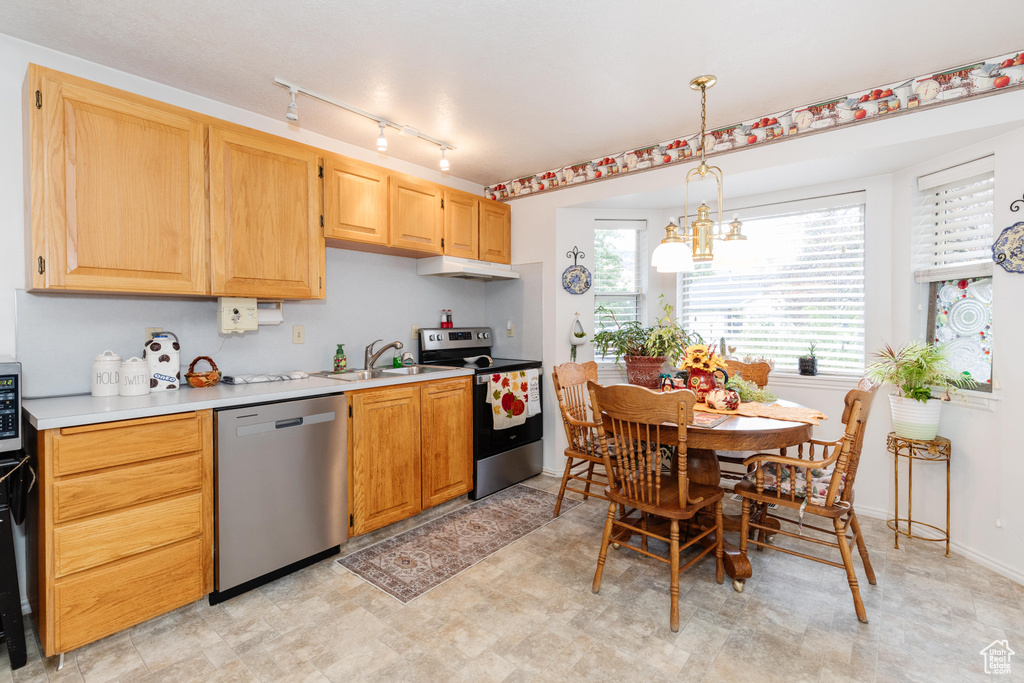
281,490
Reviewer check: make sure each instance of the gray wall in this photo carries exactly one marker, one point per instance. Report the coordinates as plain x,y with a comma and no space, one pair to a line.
369,296
518,301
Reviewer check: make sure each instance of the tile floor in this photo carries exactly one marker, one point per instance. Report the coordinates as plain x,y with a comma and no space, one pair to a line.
527,614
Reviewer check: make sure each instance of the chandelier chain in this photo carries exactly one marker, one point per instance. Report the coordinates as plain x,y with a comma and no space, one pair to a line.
703,118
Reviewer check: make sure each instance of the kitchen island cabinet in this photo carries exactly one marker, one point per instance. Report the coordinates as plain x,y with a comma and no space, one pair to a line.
122,525
265,234
410,448
117,190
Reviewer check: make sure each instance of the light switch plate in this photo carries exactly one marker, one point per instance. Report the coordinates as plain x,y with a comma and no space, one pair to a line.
415,332
298,334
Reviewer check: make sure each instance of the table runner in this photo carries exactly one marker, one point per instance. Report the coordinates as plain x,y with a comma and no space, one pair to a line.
769,410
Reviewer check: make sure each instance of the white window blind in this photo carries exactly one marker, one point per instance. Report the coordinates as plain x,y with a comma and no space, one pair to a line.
954,221
808,287
620,253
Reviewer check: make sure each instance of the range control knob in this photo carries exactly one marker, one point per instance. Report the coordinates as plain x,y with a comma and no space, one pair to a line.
431,337
479,335
487,335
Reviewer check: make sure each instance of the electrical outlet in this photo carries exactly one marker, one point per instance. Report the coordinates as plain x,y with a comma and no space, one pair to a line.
415,332
152,332
298,334
511,330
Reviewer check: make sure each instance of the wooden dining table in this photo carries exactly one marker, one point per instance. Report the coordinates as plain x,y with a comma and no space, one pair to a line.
738,433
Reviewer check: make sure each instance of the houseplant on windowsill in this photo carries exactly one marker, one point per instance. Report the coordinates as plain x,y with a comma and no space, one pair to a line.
808,363
914,369
644,349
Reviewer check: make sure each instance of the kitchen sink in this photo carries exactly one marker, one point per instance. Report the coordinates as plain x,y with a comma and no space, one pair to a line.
352,376
409,370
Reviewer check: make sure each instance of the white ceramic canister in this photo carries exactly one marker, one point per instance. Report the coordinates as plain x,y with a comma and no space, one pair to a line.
106,374
162,357
134,377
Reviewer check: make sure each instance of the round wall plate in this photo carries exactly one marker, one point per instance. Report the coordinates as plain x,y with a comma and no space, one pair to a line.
1008,249
576,279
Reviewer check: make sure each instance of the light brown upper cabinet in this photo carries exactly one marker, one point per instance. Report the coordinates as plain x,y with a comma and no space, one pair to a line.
265,233
117,190
415,219
495,231
461,224
355,201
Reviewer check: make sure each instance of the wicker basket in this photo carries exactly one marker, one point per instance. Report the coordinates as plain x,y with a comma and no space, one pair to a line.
202,379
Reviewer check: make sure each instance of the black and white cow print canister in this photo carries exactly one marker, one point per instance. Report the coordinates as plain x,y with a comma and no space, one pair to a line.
163,355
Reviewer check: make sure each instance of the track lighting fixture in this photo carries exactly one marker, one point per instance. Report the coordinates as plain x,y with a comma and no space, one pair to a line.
293,110
382,141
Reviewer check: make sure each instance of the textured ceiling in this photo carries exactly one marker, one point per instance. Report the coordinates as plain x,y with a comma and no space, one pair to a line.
519,87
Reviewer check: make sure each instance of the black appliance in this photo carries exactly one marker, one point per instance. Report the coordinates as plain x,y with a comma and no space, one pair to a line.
501,457
13,472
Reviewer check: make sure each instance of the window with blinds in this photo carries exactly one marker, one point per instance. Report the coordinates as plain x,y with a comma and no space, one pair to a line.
954,222
620,251
808,286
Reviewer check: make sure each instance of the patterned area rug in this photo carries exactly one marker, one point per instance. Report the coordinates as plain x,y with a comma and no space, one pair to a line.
411,563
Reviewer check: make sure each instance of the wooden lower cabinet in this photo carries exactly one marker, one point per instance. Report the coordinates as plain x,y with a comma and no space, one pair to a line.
123,525
410,448
384,456
446,440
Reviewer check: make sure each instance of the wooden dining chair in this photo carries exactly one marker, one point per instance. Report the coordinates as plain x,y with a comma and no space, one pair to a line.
752,372
583,460
637,423
816,482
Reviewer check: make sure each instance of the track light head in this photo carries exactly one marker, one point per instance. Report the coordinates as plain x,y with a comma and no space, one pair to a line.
293,110
382,142
444,159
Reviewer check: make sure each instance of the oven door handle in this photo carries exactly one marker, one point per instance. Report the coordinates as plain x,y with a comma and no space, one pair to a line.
483,379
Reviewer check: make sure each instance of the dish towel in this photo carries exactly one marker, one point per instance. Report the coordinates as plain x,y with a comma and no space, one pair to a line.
508,392
533,399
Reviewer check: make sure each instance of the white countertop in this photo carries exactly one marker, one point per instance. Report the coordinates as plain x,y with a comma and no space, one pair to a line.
72,411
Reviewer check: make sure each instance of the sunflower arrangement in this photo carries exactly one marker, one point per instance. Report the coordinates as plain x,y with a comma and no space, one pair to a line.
699,357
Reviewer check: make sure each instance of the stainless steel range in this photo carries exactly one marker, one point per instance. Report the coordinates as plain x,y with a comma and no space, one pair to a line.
501,457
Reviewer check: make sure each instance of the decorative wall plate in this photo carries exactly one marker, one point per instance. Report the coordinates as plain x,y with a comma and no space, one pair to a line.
576,278
1008,249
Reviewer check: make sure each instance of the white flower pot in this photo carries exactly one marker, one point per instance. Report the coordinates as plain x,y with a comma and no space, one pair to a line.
913,419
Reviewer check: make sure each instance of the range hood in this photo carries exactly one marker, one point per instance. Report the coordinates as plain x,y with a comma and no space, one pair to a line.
468,269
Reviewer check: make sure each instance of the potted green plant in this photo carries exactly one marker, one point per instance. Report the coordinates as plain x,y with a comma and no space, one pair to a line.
808,363
915,369
644,349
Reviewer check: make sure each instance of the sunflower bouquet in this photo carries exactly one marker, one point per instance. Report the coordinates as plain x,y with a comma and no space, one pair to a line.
699,357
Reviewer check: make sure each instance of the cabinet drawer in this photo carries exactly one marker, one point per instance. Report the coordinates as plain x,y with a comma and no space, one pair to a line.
122,487
98,540
102,601
78,449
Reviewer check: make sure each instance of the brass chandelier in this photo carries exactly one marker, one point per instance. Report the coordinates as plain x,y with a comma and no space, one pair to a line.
680,253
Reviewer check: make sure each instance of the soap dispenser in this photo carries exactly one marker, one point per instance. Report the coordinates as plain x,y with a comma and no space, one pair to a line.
340,362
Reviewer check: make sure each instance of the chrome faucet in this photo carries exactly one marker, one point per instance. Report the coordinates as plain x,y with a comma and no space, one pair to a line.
370,357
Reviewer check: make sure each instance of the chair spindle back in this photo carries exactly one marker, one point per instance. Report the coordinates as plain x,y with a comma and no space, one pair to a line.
632,421
570,380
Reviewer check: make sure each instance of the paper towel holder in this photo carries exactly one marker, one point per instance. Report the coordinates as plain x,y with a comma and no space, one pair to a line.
270,311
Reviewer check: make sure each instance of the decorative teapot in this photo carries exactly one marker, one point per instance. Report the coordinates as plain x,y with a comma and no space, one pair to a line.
702,381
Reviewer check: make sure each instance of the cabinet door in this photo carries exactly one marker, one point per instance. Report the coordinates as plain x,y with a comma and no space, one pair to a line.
415,217
384,457
266,239
118,198
495,231
447,440
461,224
355,201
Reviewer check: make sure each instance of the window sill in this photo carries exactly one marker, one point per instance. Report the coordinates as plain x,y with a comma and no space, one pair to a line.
823,381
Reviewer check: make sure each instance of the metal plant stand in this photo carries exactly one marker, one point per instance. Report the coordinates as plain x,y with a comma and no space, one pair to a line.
938,450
